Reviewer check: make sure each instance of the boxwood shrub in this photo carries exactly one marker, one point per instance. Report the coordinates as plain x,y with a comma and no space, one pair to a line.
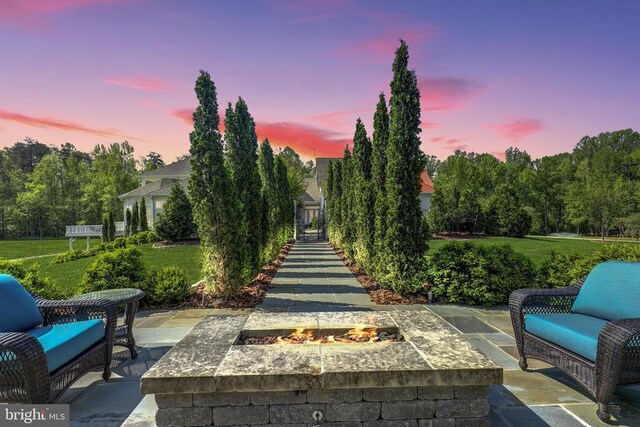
168,285
466,273
122,268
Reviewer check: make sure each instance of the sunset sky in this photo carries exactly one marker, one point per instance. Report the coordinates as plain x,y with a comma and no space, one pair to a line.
538,75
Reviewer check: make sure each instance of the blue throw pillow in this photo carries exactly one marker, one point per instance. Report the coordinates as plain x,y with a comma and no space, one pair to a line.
18,309
611,291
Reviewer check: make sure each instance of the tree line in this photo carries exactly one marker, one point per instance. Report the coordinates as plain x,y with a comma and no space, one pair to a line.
373,204
242,194
593,190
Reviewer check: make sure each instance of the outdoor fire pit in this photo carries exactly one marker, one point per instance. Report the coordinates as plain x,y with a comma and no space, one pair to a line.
405,368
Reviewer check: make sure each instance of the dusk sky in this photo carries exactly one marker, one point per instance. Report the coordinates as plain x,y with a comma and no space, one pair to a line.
538,75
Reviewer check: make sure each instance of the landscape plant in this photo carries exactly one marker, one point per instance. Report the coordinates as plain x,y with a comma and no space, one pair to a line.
32,280
143,223
121,268
135,218
168,285
175,222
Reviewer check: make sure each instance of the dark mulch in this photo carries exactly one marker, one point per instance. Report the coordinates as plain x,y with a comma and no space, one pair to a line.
378,293
248,297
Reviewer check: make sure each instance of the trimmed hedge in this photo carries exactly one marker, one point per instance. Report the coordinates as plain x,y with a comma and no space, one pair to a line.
168,285
465,273
122,268
118,243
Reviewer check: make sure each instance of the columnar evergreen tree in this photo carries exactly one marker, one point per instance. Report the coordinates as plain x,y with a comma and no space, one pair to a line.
135,218
363,200
175,222
105,228
215,205
335,234
112,227
266,168
378,173
127,223
144,224
328,186
242,156
406,240
285,212
346,204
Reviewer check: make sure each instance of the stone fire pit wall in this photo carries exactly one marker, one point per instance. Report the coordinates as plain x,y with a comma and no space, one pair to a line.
435,378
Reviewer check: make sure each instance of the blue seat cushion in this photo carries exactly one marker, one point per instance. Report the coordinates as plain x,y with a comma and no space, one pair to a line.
65,341
575,332
18,309
611,291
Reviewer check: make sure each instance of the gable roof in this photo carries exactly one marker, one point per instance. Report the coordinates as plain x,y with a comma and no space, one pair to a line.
179,169
322,163
427,184
162,187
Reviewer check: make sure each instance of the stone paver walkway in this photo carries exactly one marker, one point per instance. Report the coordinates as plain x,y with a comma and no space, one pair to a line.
313,278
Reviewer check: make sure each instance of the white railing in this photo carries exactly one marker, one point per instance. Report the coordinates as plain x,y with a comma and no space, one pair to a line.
91,230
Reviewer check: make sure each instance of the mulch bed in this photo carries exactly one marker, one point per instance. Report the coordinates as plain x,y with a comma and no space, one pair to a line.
378,294
248,296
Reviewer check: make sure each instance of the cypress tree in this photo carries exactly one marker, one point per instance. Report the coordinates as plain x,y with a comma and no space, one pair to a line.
346,204
127,222
336,204
406,240
269,200
144,224
105,228
112,227
285,212
363,198
242,156
215,206
328,186
135,218
378,174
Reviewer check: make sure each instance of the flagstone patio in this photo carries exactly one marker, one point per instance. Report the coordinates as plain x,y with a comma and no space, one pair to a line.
542,396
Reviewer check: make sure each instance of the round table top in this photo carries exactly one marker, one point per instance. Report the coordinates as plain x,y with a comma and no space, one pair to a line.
119,296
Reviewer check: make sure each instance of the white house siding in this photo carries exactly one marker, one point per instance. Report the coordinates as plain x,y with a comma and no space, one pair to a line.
425,202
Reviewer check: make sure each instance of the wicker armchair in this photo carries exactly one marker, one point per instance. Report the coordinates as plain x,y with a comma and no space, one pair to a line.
617,360
24,377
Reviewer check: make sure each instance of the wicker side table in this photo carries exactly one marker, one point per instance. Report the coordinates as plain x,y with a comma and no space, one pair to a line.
128,297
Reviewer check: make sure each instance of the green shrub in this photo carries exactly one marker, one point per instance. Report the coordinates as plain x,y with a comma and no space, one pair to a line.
465,273
121,268
175,222
32,280
70,256
169,285
143,237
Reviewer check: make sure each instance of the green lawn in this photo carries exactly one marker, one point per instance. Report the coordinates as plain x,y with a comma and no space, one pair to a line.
536,248
69,274
12,249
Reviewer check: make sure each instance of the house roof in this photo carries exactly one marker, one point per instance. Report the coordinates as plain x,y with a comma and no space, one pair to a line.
322,163
427,184
162,187
312,193
179,169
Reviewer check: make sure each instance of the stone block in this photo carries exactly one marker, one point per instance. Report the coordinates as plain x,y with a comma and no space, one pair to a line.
391,423
437,422
339,424
473,422
357,411
295,414
435,392
472,392
279,397
221,399
239,415
389,394
408,409
183,417
462,408
183,400
336,395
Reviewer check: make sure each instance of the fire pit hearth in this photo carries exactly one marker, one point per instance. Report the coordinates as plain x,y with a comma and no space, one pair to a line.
322,368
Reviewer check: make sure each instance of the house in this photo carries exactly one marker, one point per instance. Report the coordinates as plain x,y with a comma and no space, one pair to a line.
313,198
427,191
156,186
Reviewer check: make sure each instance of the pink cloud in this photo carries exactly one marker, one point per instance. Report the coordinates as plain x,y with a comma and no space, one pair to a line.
500,155
337,119
446,93
306,140
515,129
21,11
384,46
57,124
150,84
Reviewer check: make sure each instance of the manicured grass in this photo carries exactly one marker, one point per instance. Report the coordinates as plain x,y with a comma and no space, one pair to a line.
69,274
536,248
13,249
